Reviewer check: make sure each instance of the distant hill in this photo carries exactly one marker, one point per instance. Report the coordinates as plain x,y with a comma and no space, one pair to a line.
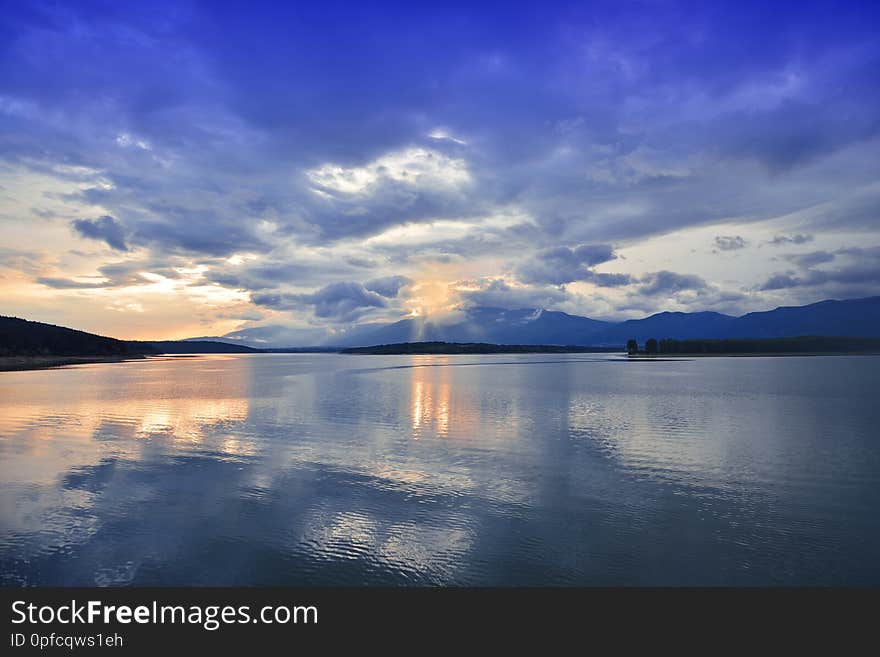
666,324
779,346
528,326
471,348
853,318
20,337
200,347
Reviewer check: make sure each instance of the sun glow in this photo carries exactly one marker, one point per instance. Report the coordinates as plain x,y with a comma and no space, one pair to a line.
431,297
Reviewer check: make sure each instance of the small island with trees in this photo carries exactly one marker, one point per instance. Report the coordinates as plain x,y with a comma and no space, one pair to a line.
802,345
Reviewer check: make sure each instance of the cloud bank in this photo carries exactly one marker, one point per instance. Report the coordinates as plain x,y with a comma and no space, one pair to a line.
231,169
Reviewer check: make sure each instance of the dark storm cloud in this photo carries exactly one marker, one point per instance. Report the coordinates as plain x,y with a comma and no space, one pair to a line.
337,302
344,301
187,232
781,282
609,280
278,301
387,286
853,275
799,238
670,283
105,229
807,260
856,272
560,265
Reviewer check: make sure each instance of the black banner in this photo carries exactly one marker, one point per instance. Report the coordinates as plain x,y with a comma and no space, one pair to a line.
132,620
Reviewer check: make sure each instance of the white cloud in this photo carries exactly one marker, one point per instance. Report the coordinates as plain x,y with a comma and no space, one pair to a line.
126,140
444,230
416,167
441,134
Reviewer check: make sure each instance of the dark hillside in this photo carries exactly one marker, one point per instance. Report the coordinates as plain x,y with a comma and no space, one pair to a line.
20,337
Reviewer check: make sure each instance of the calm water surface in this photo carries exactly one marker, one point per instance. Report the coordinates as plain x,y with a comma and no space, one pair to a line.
473,470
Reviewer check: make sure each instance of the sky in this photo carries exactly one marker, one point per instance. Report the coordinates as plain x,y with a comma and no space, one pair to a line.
171,170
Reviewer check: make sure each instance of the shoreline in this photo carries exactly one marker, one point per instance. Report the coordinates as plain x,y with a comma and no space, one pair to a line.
752,354
29,363
25,363
560,352
472,349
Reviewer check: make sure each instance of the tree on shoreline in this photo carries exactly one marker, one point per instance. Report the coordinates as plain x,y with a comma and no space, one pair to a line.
651,346
632,347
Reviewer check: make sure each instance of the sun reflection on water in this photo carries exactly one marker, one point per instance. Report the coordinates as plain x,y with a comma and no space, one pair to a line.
431,394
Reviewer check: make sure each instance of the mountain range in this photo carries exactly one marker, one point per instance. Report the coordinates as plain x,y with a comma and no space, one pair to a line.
527,326
853,318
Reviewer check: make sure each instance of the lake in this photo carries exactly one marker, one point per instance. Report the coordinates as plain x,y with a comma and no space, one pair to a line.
326,469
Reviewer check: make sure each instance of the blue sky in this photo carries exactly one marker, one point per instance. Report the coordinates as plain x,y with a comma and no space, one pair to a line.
178,169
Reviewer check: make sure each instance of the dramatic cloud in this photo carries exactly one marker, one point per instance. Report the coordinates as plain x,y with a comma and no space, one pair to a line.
855,275
337,302
106,229
243,168
670,283
561,265
856,272
387,286
344,301
608,280
497,293
415,168
780,282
